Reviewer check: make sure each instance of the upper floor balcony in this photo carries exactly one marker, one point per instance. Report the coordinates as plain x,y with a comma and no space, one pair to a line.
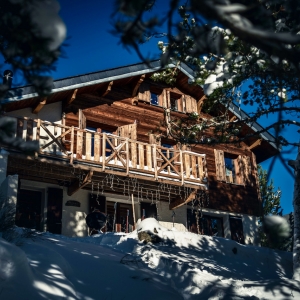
109,153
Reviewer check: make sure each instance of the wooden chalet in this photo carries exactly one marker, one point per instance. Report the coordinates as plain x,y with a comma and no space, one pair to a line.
97,149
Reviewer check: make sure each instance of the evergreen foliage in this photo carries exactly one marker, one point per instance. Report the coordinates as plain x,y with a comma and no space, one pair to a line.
271,207
250,59
31,34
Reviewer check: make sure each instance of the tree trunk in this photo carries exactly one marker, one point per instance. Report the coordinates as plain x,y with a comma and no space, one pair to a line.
296,203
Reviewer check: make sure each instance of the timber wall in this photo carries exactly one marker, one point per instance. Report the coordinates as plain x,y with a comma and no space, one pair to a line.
116,109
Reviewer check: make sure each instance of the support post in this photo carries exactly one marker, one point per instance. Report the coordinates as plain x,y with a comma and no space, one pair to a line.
133,211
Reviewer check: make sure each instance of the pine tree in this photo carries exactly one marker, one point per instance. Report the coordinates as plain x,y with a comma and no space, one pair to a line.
271,207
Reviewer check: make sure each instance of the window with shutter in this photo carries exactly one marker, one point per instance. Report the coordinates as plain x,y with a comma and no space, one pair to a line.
233,168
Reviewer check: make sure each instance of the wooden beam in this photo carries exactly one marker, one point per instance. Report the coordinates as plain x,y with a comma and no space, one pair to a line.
106,90
76,186
255,144
39,106
73,97
200,104
136,87
179,202
232,118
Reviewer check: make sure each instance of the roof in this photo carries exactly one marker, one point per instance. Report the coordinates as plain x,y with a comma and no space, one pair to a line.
79,81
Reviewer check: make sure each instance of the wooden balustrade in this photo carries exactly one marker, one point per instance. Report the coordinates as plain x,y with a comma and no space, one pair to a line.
109,151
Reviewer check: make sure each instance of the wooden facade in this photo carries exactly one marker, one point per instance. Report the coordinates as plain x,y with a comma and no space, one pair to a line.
106,129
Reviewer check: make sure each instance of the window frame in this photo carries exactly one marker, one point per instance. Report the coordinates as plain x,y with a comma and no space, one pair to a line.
242,167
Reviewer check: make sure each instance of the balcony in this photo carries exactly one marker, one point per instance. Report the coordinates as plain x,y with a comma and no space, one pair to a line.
108,153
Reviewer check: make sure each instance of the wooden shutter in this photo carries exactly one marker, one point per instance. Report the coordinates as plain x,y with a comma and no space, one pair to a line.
190,104
247,170
239,169
144,92
128,131
163,99
81,119
220,165
181,104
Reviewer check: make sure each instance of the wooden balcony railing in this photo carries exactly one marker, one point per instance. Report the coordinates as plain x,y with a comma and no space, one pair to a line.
107,151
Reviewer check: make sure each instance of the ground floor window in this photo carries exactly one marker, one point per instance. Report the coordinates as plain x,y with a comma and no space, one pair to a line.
208,225
236,228
119,217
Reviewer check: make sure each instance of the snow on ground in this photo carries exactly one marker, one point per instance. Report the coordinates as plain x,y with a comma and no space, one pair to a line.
111,266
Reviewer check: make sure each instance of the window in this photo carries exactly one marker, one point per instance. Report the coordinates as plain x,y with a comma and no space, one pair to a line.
154,99
236,228
174,104
233,168
212,226
208,225
230,170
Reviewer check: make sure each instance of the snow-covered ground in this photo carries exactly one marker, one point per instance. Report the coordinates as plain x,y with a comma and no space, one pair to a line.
112,266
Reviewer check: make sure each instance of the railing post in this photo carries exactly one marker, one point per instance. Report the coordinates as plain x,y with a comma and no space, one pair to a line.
72,146
154,162
133,154
103,151
127,156
79,144
149,160
205,168
97,146
187,165
200,167
141,156
88,145
181,167
38,130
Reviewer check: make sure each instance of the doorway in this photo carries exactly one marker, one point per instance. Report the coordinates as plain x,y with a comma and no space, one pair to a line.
29,209
148,210
54,210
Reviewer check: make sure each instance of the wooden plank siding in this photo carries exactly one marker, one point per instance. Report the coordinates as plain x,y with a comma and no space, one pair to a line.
224,196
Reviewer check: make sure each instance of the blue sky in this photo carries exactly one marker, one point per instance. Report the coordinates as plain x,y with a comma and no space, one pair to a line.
91,47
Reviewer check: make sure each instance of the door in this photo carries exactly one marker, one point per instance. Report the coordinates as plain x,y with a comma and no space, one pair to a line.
236,228
54,210
148,210
28,212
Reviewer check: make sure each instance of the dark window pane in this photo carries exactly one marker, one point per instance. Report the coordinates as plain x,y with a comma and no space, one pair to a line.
174,104
154,99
